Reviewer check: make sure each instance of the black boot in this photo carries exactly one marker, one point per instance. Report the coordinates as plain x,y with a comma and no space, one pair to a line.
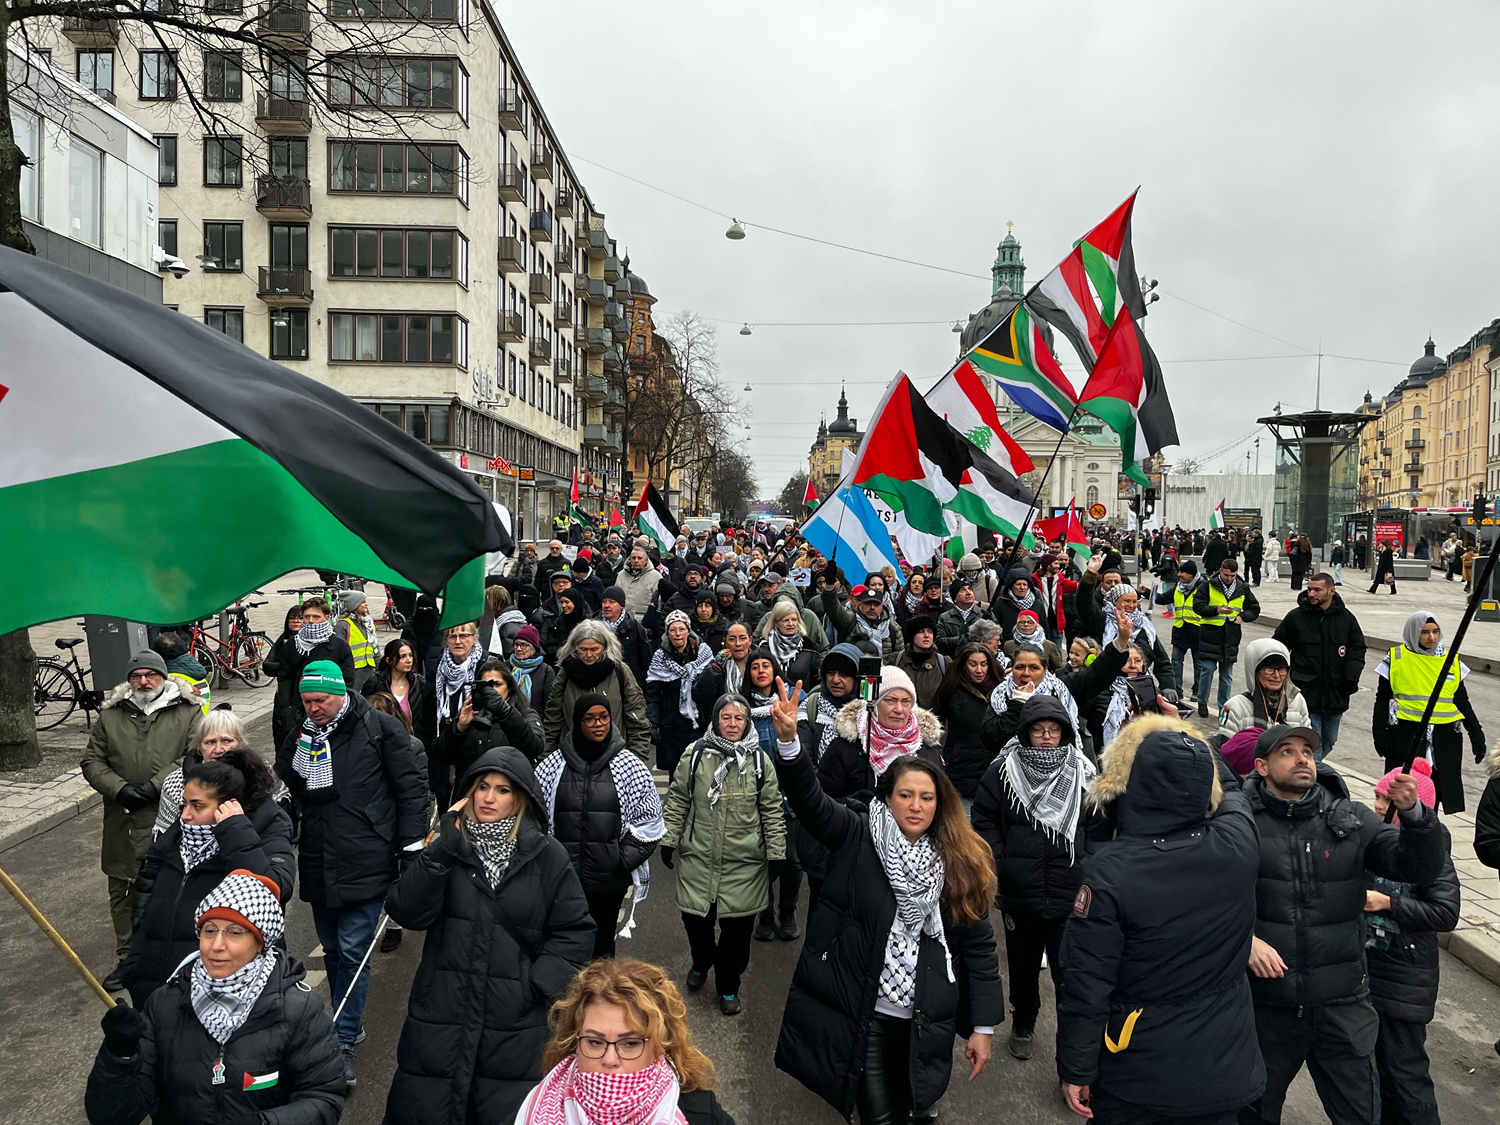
786,929
765,929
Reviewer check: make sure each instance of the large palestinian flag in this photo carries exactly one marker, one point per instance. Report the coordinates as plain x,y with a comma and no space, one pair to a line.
1102,266
655,519
1126,392
909,452
1016,356
961,398
151,468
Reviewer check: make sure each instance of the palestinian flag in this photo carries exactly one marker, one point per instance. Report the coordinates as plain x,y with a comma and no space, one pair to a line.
1016,356
1216,517
153,469
810,496
655,519
574,511
960,397
1069,528
1087,290
615,518
1126,392
911,453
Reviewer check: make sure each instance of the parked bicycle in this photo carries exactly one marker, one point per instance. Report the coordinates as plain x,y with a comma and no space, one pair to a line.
58,688
241,654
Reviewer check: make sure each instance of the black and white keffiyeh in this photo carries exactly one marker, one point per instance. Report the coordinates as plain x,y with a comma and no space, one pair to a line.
827,716
877,631
311,635
452,676
1140,620
1026,600
313,761
169,808
783,648
494,843
224,1004
1050,685
734,674
916,873
668,669
741,754
1047,783
198,843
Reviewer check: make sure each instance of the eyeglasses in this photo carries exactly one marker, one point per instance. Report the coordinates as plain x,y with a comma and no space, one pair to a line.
627,1047
142,677
232,932
1275,671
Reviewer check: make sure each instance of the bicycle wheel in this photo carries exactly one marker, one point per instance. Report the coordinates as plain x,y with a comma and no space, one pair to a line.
55,694
203,651
250,660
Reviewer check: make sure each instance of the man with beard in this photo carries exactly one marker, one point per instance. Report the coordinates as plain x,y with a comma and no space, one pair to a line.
953,625
873,622
137,740
686,597
732,608
642,583
1328,655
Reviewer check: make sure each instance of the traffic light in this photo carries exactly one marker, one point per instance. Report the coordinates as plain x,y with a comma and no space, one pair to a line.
1479,510
1150,501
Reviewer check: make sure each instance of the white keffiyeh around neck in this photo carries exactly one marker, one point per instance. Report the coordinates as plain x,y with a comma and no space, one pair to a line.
828,713
916,873
668,669
198,843
1000,698
313,761
734,674
784,649
223,1005
877,631
741,754
494,843
1140,622
311,635
1047,784
452,676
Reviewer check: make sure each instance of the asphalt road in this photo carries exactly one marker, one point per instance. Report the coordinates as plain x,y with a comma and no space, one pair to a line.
49,1019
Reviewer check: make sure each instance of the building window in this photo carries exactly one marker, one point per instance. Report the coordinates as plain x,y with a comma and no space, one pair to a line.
166,235
85,191
393,83
288,246
27,129
95,71
223,161
166,159
1092,495
358,337
429,11
288,333
231,322
223,243
397,168
289,157
287,80
1416,412
223,79
158,76
370,252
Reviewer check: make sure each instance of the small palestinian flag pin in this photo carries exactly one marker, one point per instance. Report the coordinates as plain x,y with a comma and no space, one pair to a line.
261,1081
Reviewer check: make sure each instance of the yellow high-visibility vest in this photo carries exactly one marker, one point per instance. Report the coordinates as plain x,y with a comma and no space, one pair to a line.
1182,608
201,686
1216,598
1413,676
361,646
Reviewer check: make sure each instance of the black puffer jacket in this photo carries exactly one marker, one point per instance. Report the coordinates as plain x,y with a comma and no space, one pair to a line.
288,1033
493,962
586,816
377,804
1037,875
1404,976
971,738
1328,653
1310,897
167,898
833,991
635,646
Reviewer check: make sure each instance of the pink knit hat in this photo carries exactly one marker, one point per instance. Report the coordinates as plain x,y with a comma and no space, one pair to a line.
1239,750
1421,772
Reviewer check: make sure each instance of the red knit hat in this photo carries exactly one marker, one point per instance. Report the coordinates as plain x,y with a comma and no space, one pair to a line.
1031,613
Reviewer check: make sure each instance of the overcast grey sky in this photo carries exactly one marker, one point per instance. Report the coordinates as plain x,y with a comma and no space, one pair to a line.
1320,172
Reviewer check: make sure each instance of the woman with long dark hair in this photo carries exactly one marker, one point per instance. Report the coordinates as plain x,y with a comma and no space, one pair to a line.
398,677
971,726
899,956
278,662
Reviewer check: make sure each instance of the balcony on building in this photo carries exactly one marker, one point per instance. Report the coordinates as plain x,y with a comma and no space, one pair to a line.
622,329
540,352
598,292
540,289
512,256
284,24
611,313
541,226
1412,467
622,290
512,183
1385,451
90,33
512,109
612,360
611,269
594,435
285,287
565,196
562,374
598,243
283,197
581,283
614,399
1415,443
541,163
282,116
593,389
598,341
512,327
562,314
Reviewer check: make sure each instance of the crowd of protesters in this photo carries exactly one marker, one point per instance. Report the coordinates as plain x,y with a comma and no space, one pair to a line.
1011,730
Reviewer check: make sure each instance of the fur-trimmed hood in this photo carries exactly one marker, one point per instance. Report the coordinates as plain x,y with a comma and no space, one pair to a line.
1492,763
171,693
846,726
1176,786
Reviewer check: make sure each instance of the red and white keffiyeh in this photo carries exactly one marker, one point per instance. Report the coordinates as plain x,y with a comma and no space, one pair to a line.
569,1096
887,745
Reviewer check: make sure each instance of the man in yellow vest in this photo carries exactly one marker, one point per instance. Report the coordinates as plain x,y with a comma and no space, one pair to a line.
357,627
1184,620
1221,604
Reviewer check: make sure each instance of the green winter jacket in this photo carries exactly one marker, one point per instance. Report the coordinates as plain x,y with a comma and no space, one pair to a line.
722,850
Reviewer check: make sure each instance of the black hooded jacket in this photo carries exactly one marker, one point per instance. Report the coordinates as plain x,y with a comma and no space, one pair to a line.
1328,653
1154,954
586,815
493,962
1404,975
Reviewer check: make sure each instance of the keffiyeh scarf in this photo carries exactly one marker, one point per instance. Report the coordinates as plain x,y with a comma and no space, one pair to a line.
313,761
828,713
511,616
223,1005
1140,622
885,745
1024,602
494,843
198,843
1047,784
452,676
734,675
310,636
784,649
1035,637
669,669
916,874
569,1096
741,754
1050,685
912,601
877,631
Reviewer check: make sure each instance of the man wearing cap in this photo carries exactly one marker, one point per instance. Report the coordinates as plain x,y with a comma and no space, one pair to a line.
138,739
1307,959
872,622
920,658
953,625
352,771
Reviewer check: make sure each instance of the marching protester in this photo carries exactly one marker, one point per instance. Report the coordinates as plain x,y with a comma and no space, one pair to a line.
675,666
315,640
236,1016
1020,594
353,773
838,687
1402,954
953,624
507,621
602,803
495,714
1269,698
784,631
137,740
1307,959
1404,682
451,683
903,920
621,1053
920,658
635,645
726,672
211,737
641,583
356,628
591,661
507,928
1155,1021
1028,631
1221,604
909,601
724,829
282,654
228,821
1127,600
1029,808
706,623
1185,631
868,737
1327,650
397,677
971,726
529,668
870,621
557,618
386,703
1132,694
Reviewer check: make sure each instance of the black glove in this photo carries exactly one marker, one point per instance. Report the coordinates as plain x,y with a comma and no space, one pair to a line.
1479,751
776,868
666,855
137,795
124,1027
444,847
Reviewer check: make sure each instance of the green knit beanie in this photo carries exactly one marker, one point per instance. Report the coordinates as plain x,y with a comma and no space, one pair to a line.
323,676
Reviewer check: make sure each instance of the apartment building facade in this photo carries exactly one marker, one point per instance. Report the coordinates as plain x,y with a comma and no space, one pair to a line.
380,202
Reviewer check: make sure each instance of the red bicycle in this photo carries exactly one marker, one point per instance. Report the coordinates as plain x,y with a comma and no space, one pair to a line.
241,654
